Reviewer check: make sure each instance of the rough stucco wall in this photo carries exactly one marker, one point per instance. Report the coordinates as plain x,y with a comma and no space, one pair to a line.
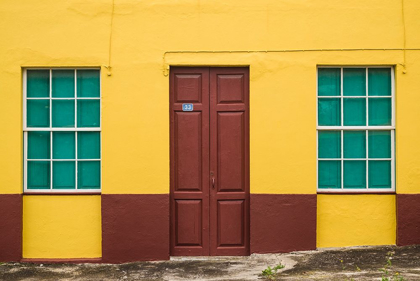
135,98
354,220
135,102
62,226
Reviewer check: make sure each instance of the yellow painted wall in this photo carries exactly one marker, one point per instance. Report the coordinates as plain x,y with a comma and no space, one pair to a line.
135,105
62,226
355,220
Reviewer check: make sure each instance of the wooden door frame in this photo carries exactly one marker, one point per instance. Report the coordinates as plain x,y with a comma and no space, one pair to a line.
247,160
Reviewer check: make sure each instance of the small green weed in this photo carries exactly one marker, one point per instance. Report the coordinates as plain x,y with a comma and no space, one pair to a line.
387,273
386,270
271,273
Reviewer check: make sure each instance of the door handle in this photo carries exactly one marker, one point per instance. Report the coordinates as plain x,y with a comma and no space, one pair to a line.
212,182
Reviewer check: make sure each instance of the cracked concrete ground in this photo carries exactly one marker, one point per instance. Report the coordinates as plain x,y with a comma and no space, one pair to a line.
359,263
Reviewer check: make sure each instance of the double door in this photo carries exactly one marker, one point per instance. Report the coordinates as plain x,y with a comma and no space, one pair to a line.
209,123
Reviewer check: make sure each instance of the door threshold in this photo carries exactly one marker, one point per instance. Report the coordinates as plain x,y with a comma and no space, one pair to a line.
200,258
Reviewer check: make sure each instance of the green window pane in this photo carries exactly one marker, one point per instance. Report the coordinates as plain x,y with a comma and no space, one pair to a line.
88,145
329,112
354,174
38,84
354,82
63,83
38,145
63,113
89,175
38,175
379,174
329,174
329,144
88,113
380,111
64,145
354,112
379,144
379,81
354,144
64,175
38,113
88,83
329,81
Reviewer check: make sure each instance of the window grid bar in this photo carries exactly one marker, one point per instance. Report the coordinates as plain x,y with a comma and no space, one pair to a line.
81,160
342,124
366,128
25,156
348,159
367,123
51,129
354,128
76,182
73,98
51,134
69,129
353,97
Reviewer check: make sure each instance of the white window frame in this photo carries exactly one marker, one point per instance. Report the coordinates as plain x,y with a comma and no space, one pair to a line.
55,129
366,128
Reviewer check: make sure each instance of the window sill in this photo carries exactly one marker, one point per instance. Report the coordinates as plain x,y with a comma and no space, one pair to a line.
356,193
62,193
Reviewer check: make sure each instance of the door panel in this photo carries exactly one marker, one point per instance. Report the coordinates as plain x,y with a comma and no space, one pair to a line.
188,151
230,223
189,225
189,162
229,161
230,88
230,151
210,161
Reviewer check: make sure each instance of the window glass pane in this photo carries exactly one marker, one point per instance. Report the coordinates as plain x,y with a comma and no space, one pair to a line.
354,144
38,83
38,113
38,175
88,113
354,112
38,145
64,174
329,81
88,83
379,174
380,111
63,83
329,144
379,144
63,113
329,112
354,83
329,174
88,145
379,81
89,175
354,174
64,145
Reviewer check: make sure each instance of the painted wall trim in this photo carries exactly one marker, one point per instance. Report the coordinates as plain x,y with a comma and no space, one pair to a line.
135,227
283,222
11,210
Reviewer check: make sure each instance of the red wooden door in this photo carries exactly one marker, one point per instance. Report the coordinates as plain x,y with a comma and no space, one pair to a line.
209,161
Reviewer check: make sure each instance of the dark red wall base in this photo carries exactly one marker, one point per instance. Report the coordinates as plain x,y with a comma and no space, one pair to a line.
10,227
135,227
283,223
408,219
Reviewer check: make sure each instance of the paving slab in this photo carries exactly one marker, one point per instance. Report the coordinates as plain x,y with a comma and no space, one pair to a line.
358,263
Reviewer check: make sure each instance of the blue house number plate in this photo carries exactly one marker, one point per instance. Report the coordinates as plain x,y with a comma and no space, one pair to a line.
187,107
